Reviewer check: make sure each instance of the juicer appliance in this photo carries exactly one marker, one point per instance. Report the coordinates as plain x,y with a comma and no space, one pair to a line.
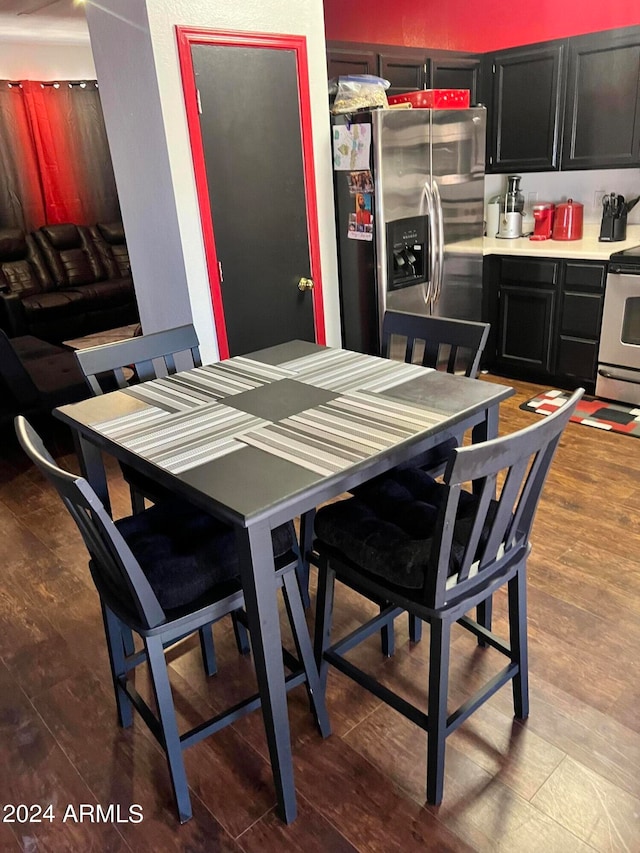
511,210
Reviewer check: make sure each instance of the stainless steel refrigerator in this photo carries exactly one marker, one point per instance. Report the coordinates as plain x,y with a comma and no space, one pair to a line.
409,190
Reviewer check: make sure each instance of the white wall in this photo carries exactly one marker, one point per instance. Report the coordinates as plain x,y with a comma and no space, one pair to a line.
580,186
21,60
135,52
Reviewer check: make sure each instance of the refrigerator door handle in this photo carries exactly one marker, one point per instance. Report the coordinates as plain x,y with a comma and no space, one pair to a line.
429,287
437,204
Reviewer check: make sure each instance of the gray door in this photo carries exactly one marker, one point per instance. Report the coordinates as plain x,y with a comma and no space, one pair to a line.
250,124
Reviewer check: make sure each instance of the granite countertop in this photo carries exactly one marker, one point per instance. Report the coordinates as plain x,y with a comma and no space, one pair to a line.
589,248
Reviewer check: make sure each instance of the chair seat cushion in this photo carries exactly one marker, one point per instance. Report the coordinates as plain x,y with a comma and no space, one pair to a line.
185,553
387,529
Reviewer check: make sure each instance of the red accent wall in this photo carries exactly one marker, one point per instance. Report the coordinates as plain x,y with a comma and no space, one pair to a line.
472,25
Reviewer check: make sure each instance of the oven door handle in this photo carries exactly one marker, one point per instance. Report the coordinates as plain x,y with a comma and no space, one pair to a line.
607,375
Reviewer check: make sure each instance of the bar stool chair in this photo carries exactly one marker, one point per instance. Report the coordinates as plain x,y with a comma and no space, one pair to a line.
165,573
436,551
140,359
117,365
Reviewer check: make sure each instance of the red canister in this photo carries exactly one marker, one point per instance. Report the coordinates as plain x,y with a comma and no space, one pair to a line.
567,222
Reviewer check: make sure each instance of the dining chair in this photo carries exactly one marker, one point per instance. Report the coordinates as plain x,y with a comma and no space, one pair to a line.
440,343
165,573
139,359
436,550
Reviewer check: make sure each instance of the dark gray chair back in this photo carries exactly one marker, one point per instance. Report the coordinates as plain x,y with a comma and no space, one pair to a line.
452,345
496,533
149,356
115,571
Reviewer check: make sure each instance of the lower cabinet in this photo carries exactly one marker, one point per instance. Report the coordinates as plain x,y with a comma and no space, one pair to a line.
545,316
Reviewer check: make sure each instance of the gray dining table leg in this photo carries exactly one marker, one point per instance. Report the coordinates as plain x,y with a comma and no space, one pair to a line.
306,545
92,468
257,572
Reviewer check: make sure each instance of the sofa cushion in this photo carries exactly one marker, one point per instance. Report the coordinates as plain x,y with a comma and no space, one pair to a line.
58,378
112,232
70,255
13,244
62,237
54,305
104,294
22,270
112,246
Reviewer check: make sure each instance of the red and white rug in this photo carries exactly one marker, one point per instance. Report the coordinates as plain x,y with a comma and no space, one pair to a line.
614,417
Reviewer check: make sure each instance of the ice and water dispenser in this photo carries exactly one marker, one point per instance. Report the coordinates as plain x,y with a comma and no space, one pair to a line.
407,252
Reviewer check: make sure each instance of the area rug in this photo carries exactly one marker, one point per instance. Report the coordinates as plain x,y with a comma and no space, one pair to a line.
615,417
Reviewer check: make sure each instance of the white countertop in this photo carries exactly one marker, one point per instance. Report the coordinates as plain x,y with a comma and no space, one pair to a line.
589,248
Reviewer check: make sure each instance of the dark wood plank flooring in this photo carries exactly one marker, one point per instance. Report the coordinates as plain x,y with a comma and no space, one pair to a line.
566,780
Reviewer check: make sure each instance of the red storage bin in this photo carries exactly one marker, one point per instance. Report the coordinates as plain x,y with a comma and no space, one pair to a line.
434,99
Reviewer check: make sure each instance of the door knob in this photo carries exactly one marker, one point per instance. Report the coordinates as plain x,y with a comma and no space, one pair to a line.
305,284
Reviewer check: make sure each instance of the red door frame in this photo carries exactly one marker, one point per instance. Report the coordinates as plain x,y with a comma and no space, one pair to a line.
188,36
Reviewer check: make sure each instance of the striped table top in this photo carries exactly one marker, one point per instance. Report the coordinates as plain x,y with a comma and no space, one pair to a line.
185,425
249,434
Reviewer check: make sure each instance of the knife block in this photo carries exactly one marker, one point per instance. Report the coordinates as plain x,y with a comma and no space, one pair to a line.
613,228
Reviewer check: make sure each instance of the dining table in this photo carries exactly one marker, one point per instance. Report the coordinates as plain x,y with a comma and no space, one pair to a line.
260,439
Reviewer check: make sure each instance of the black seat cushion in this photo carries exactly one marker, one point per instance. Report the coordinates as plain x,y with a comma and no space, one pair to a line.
387,529
185,553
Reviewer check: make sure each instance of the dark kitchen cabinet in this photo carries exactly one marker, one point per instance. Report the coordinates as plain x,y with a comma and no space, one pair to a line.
602,116
457,73
526,108
341,63
580,315
526,310
405,72
407,69
545,315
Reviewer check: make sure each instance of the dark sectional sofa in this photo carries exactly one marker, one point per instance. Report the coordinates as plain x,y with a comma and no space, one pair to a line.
65,281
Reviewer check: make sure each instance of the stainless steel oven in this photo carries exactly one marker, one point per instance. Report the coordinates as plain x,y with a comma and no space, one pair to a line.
618,375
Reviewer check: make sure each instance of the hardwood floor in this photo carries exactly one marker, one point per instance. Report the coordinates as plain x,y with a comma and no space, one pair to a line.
568,779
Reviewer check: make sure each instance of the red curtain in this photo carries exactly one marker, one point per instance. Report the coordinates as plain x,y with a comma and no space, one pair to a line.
21,197
50,121
64,139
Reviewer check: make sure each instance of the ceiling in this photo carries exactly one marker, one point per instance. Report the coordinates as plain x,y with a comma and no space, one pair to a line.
43,20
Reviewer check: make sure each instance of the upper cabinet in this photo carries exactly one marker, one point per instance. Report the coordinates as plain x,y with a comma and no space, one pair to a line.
565,104
602,115
457,72
525,127
407,69
405,72
341,63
